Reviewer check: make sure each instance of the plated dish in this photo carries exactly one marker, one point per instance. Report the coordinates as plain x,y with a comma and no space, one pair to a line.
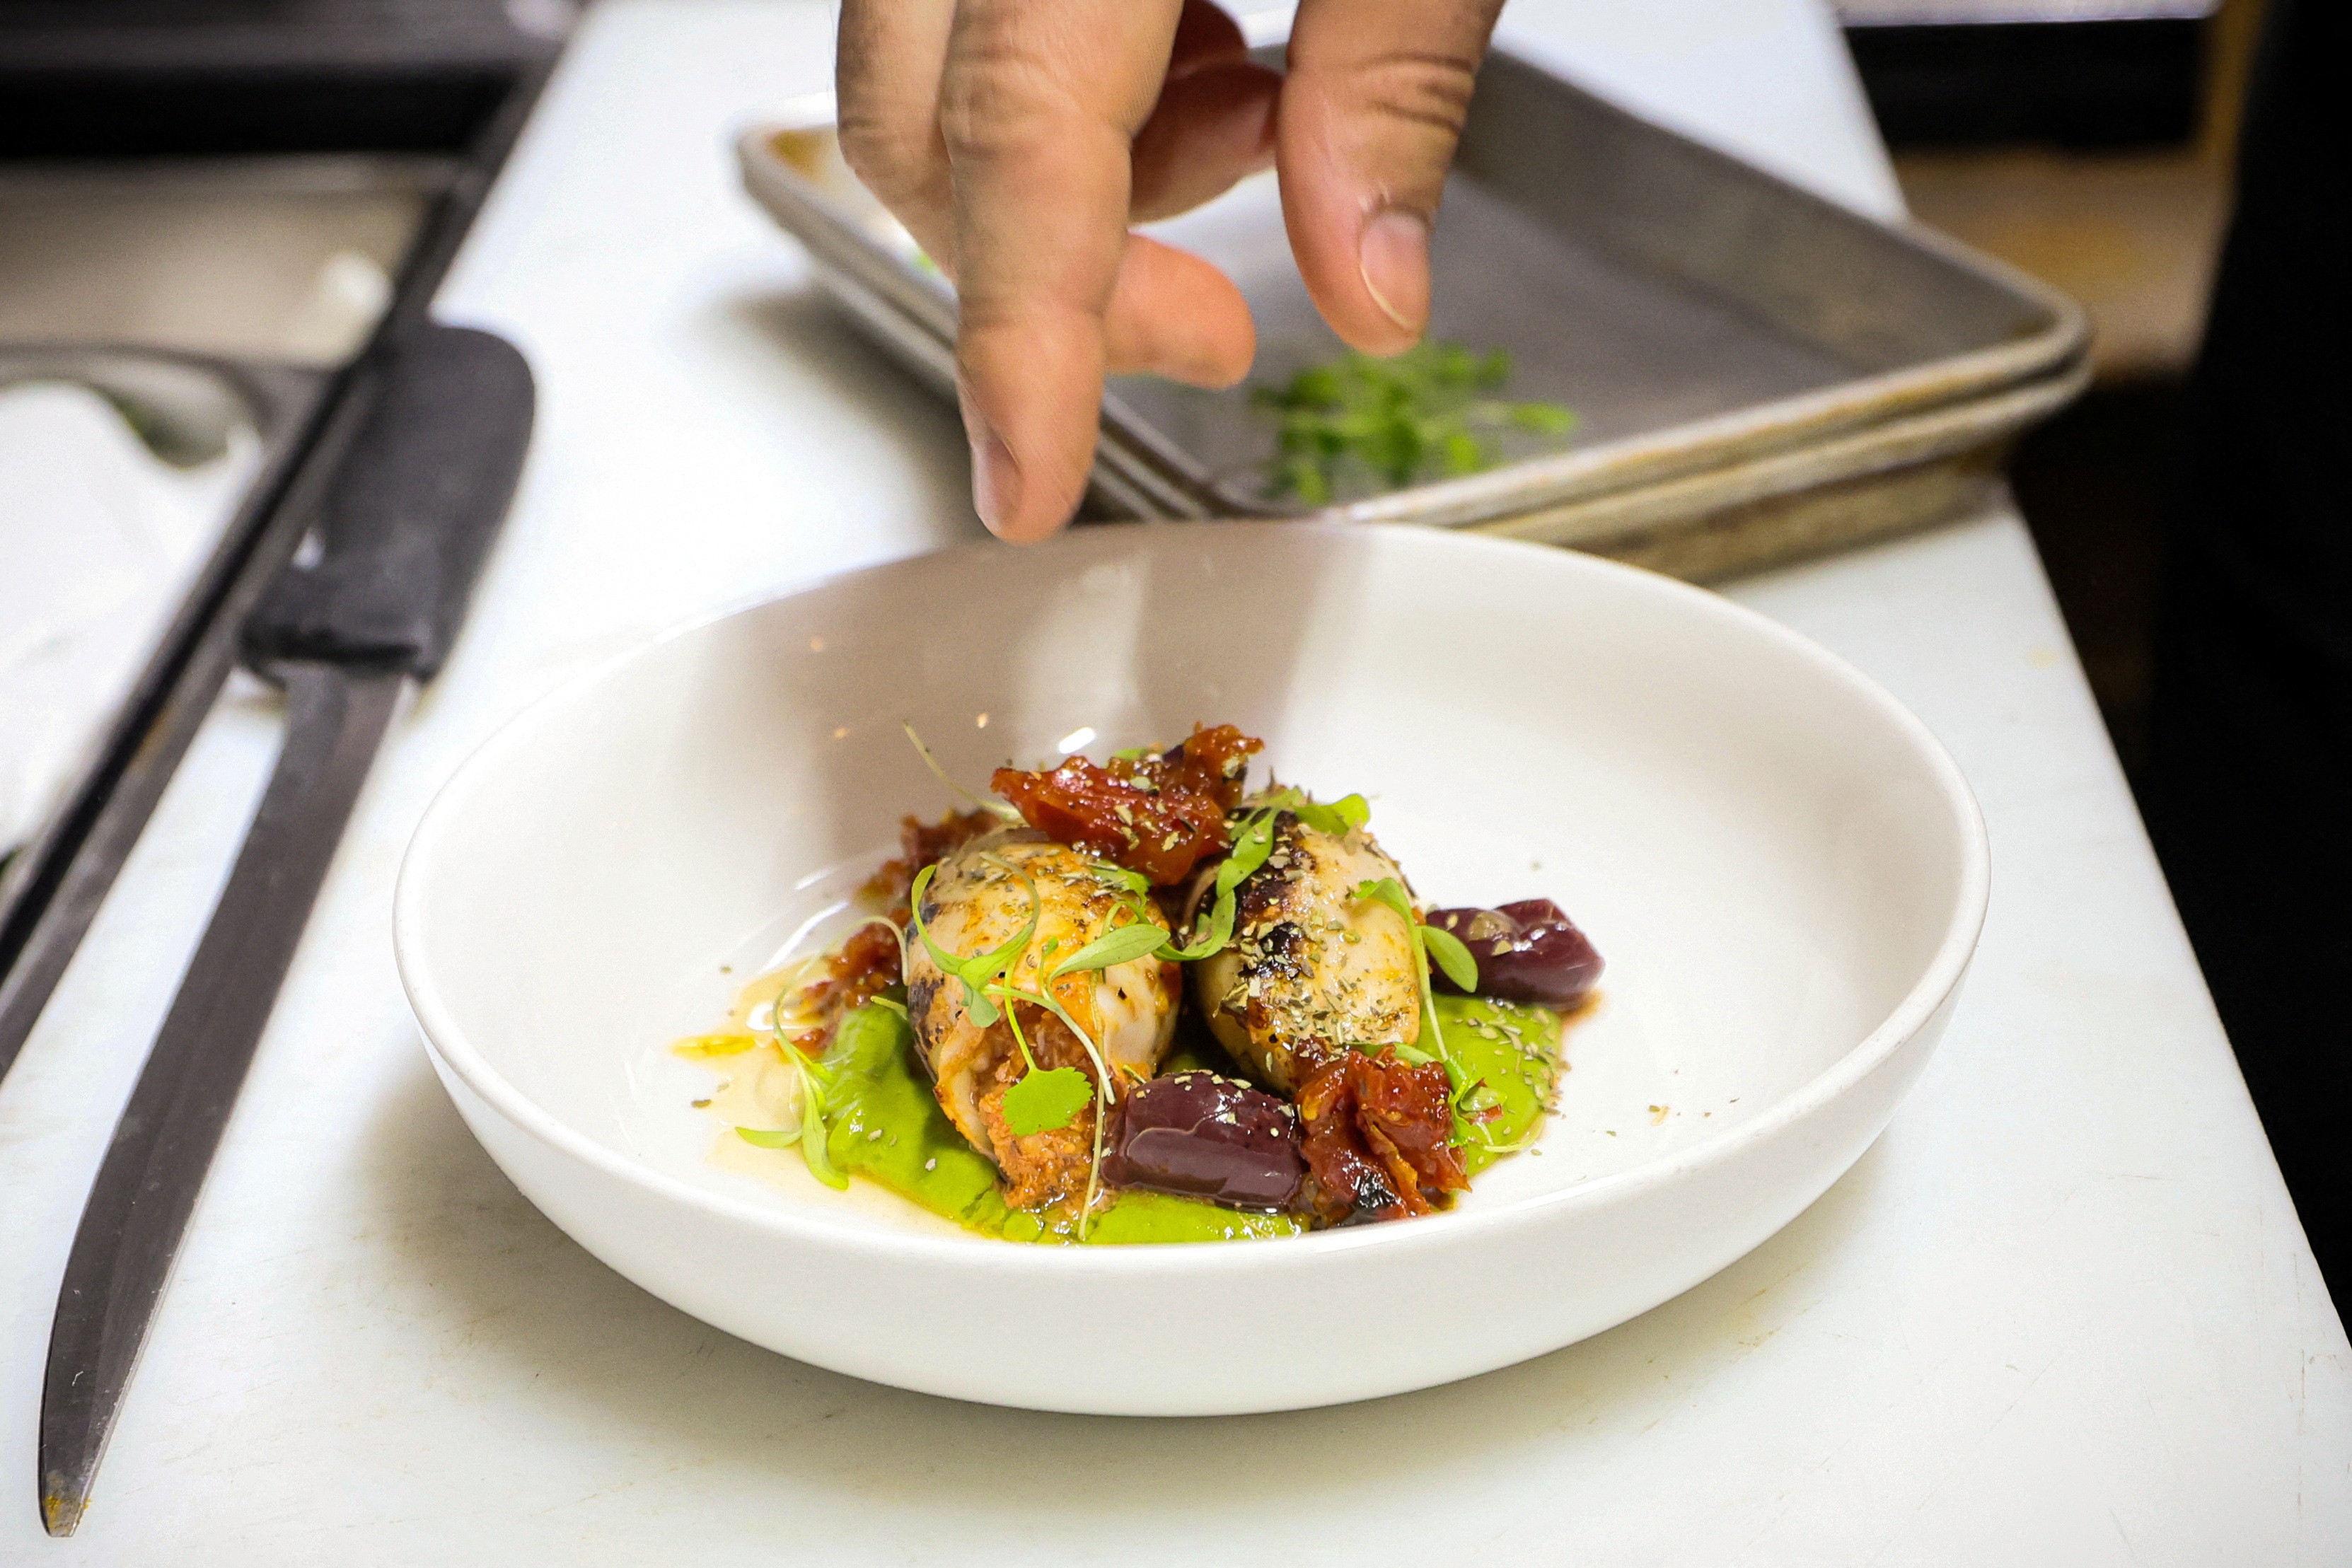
1783,869
1141,1001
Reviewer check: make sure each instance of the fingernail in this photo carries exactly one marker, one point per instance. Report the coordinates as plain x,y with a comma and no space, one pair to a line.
1393,256
995,477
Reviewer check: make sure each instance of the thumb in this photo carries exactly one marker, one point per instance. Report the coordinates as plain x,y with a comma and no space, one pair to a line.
1369,116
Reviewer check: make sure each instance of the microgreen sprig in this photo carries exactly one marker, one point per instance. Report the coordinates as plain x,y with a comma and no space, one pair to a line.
1052,1004
814,1083
896,931
1429,942
979,972
1112,948
813,1080
1252,844
1000,808
1251,847
1046,1099
1338,818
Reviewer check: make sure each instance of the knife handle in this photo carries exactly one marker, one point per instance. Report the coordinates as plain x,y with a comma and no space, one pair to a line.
411,511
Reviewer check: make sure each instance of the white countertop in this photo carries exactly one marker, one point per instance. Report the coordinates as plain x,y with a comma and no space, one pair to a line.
2062,1313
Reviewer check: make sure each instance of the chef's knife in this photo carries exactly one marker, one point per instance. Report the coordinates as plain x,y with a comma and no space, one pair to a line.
345,629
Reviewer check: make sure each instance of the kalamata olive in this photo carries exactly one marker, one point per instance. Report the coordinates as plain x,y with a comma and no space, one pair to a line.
1526,952
1200,1135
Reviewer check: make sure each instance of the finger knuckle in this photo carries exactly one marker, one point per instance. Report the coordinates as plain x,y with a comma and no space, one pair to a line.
1008,106
1429,90
887,158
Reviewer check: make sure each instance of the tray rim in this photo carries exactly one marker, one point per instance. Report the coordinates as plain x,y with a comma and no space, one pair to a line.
1901,440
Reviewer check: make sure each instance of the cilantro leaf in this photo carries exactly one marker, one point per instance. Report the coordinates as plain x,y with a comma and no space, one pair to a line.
1046,1100
1101,1088
770,1138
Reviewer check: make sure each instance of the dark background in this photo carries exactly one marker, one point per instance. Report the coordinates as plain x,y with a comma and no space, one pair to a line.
2182,176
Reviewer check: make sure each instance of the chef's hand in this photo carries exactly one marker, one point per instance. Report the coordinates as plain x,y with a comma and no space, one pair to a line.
1018,139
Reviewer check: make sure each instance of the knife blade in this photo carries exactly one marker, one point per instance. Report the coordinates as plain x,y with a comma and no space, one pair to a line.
405,528
147,1187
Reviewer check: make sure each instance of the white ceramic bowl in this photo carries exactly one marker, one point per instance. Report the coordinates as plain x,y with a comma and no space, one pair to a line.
1783,869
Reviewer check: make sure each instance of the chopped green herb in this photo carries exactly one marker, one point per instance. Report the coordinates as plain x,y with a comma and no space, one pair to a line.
770,1138
1419,415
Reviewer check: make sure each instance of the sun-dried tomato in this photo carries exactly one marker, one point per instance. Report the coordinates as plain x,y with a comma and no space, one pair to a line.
866,965
1378,1138
1213,761
1157,815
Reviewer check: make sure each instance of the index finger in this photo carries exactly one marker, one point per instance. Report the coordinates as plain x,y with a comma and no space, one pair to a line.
1039,104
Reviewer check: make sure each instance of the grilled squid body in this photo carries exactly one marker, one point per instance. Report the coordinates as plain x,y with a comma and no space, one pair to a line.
1312,969
978,900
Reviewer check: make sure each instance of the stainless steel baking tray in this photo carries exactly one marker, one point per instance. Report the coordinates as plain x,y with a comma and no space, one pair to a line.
1758,373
